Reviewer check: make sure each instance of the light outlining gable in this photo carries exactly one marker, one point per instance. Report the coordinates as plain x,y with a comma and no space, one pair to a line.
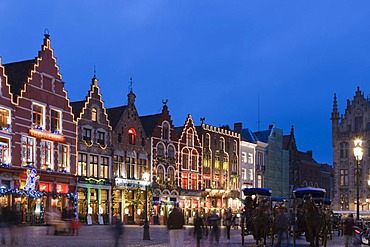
87,102
189,124
7,94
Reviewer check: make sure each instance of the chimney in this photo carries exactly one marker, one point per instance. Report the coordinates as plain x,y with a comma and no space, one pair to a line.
309,152
271,126
238,127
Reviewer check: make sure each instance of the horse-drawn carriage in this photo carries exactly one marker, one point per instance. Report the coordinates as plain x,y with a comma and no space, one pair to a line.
313,215
256,218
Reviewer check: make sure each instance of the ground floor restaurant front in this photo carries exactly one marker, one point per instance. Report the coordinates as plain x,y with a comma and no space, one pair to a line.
51,193
94,200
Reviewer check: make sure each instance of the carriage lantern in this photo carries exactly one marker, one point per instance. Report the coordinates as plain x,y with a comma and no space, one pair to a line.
357,151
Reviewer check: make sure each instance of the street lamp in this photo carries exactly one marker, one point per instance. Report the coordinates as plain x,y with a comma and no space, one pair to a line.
146,235
357,151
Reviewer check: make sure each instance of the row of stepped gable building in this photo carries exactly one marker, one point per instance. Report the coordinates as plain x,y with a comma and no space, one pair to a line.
102,162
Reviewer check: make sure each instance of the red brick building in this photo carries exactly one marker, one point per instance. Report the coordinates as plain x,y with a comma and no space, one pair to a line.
43,136
163,139
131,156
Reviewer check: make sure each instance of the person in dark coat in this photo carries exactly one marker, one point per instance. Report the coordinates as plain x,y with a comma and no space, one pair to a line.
214,221
198,228
282,224
175,224
348,229
228,215
118,231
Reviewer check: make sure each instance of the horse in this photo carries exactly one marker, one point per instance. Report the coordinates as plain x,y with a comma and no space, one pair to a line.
261,222
313,220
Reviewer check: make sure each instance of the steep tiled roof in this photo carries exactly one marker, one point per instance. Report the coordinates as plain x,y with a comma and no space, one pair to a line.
179,130
17,73
263,136
149,123
114,115
77,108
302,156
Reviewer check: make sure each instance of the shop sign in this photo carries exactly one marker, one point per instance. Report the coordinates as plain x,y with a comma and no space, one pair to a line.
122,182
47,135
85,180
191,193
62,188
45,187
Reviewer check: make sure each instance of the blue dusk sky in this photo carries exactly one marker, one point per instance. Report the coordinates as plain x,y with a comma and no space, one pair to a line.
257,62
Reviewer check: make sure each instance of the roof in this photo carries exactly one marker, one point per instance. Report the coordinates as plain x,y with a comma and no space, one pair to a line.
286,140
149,123
77,108
302,156
249,136
114,114
179,130
17,73
263,136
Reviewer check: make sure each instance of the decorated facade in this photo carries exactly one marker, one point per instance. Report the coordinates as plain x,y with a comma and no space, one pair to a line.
163,140
190,169
94,160
42,136
131,156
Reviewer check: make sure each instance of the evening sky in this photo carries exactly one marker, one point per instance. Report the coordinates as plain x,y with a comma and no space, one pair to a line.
256,62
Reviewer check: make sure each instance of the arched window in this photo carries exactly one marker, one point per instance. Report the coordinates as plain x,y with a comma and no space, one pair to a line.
94,114
160,149
165,131
185,159
222,143
131,136
171,176
194,160
160,174
171,152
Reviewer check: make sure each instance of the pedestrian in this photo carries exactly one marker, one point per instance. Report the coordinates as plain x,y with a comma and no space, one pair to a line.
282,224
118,231
175,224
214,221
198,228
348,229
76,224
228,215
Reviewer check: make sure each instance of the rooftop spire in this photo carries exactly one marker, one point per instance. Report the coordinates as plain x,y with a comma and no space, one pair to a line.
130,84
335,112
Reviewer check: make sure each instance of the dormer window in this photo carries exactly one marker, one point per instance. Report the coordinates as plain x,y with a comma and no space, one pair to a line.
131,136
94,114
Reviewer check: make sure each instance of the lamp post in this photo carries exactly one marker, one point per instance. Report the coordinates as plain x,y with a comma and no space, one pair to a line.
357,151
146,235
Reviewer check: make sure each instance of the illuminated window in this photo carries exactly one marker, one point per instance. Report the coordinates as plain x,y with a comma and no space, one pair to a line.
63,156
38,116
94,114
141,168
244,174
225,165
250,158
244,157
55,121
101,138
131,136
104,167
207,160
165,131
46,151
250,174
160,174
171,176
93,166
194,182
4,118
82,165
118,166
27,150
217,162
4,151
185,181
130,165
